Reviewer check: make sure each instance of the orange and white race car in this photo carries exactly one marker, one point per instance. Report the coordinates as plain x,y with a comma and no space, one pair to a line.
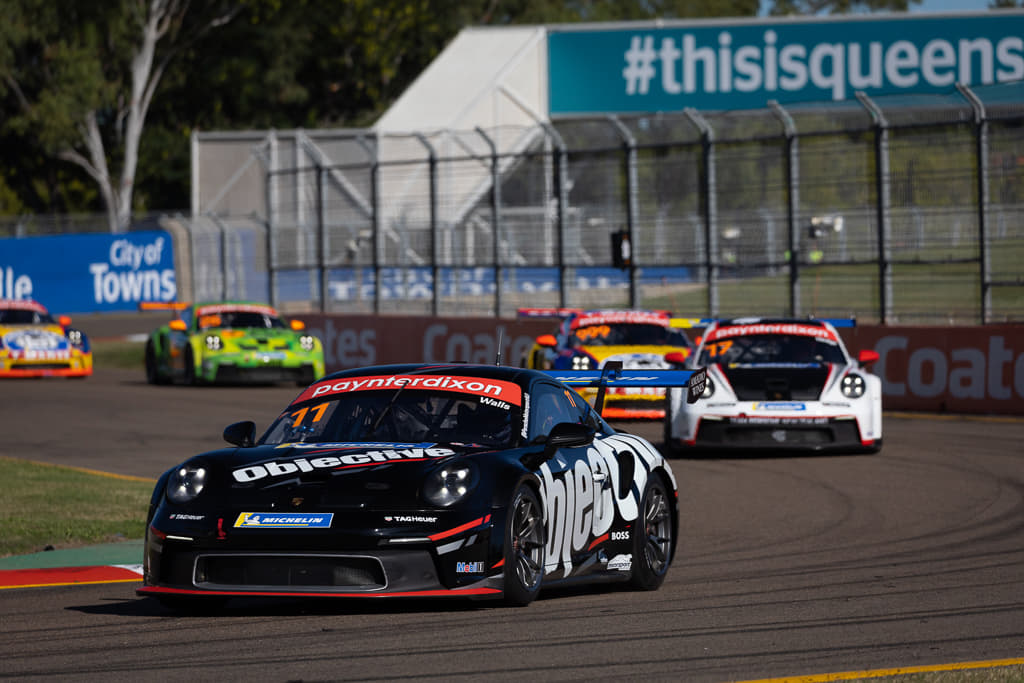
588,339
33,344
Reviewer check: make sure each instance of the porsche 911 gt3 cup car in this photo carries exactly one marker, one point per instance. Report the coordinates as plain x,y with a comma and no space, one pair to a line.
466,481
33,344
587,340
231,342
779,384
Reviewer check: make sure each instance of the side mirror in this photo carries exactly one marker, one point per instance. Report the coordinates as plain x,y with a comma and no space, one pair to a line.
241,434
676,357
178,325
64,320
547,341
867,357
297,325
568,435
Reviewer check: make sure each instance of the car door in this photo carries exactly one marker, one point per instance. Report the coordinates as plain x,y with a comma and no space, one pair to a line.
575,483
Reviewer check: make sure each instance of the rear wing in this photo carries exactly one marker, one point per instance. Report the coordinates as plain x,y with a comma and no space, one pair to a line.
176,306
689,323
540,312
612,375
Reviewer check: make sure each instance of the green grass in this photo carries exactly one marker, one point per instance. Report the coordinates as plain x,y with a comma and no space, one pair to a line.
118,354
65,507
922,294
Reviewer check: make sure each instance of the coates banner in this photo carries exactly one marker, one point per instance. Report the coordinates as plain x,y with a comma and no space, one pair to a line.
356,340
977,369
744,64
89,273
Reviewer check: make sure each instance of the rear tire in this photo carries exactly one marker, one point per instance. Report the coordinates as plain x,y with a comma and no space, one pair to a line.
524,548
652,537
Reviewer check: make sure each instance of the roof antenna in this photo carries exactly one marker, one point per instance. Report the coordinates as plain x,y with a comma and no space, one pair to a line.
501,331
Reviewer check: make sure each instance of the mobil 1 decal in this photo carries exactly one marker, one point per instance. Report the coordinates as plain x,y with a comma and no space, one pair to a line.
583,492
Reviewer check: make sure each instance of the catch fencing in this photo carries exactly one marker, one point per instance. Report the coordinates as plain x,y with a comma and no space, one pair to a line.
896,209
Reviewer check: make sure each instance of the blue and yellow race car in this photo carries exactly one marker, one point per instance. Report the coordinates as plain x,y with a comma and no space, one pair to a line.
588,340
34,344
231,342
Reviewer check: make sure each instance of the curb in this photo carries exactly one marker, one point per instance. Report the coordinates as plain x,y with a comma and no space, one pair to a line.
69,576
108,563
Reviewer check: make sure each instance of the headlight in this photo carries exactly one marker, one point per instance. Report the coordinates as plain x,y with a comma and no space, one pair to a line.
580,363
853,386
709,389
75,337
448,485
307,342
213,342
185,483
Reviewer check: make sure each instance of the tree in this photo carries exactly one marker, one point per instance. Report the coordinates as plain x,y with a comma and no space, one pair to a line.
82,76
812,7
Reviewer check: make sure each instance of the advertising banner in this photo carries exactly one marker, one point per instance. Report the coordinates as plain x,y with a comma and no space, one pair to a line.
89,273
977,369
743,64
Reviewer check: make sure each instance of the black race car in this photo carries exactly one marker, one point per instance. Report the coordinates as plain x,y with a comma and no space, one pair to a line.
471,481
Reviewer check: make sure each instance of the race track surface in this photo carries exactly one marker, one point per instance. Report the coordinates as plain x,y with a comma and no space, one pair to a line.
787,566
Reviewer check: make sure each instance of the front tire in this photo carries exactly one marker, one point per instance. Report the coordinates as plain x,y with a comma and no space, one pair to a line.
190,367
524,548
153,375
652,537
668,449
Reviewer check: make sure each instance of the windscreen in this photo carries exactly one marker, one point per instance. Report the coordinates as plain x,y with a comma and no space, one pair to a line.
20,316
770,349
240,319
620,334
399,415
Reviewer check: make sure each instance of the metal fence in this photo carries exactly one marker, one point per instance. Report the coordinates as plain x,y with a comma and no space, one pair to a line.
892,209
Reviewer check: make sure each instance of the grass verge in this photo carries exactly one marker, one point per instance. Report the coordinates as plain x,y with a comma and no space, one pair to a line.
118,354
65,507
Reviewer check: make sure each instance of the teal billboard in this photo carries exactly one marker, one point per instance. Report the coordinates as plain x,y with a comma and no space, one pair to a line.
743,64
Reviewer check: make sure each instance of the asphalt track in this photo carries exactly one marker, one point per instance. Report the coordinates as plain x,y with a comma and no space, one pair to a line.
787,566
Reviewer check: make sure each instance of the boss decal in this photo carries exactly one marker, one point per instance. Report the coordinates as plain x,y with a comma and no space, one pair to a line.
273,468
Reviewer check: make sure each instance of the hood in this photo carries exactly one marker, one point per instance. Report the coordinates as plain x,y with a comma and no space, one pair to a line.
633,357
777,381
23,339
302,476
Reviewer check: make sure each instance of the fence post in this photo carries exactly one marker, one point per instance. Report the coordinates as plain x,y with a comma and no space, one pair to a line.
321,224
707,136
629,143
559,172
435,256
883,187
271,191
981,150
792,203
371,152
495,219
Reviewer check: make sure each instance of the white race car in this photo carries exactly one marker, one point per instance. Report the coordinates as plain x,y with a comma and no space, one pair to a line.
778,384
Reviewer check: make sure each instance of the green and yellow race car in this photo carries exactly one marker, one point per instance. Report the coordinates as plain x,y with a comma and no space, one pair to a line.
231,342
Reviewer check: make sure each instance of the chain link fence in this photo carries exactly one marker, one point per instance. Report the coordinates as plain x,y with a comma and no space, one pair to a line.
900,209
